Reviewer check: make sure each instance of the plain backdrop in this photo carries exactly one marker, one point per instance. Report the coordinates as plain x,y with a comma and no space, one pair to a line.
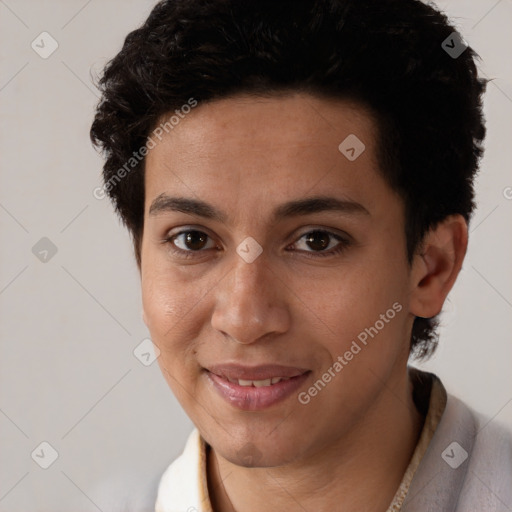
71,319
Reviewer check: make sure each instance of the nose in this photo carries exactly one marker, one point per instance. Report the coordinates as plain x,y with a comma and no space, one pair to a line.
250,303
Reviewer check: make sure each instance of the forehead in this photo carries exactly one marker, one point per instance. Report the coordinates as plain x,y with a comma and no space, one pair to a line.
253,151
266,123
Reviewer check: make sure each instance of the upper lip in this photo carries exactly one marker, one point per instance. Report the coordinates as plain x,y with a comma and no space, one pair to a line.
260,372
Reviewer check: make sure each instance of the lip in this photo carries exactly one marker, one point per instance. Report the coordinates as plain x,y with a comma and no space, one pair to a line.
260,372
250,398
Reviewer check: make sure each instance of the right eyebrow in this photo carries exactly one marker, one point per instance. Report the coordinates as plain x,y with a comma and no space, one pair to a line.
164,203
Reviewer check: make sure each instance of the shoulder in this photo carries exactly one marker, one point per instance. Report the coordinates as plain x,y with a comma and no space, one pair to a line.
488,482
467,466
486,437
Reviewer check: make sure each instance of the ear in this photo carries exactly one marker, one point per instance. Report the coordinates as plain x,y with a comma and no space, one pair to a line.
436,266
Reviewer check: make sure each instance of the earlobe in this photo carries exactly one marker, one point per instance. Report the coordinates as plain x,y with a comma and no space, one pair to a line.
436,267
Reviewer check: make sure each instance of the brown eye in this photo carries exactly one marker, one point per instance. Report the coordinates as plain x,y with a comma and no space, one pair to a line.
195,240
190,241
318,240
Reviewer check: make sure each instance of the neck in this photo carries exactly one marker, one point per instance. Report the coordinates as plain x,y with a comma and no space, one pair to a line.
362,471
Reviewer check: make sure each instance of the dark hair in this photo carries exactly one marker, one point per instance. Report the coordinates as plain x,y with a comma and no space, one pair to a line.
386,54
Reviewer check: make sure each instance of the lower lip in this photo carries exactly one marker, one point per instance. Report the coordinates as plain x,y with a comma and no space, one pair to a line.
250,398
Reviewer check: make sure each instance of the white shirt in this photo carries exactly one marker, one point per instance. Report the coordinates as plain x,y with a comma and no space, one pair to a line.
462,462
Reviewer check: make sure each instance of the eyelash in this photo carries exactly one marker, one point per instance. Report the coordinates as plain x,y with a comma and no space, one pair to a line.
341,247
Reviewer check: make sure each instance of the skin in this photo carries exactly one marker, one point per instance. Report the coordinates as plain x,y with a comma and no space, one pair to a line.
350,445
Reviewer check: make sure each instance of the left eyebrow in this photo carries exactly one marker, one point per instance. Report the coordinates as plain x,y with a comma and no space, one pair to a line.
318,204
306,206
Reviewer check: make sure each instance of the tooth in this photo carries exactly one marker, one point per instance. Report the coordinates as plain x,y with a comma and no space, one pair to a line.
261,383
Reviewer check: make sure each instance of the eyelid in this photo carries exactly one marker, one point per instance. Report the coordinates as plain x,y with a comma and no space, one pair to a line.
331,231
296,236
344,241
171,235
343,238
185,229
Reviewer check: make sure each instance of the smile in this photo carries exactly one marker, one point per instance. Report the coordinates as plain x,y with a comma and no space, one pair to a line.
256,394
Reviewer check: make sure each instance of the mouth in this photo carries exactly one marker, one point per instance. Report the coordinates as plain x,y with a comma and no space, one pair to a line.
255,388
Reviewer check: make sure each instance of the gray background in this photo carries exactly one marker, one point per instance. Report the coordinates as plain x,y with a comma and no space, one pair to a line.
69,325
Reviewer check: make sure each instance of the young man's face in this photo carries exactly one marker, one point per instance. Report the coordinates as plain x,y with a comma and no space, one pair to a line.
210,299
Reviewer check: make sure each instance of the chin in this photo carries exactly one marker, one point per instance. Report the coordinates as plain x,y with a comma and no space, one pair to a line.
254,454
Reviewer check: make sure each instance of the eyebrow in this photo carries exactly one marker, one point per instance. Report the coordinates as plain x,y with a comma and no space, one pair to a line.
306,206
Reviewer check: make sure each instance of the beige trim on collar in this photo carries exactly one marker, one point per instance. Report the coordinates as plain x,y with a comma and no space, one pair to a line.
428,392
423,386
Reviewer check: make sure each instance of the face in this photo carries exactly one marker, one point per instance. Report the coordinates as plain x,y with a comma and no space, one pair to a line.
270,252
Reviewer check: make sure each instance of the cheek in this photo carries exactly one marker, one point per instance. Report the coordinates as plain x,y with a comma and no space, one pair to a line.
166,296
170,313
357,296
163,303
359,303
170,308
